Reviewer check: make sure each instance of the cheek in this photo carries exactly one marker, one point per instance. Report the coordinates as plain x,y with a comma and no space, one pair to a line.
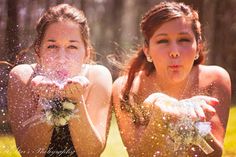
47,60
75,59
78,56
189,53
188,60
160,58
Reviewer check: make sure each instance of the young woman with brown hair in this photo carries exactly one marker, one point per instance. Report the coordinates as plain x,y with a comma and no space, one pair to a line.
60,106
168,97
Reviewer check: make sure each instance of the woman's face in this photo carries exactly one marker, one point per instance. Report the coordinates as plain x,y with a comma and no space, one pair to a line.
173,48
62,51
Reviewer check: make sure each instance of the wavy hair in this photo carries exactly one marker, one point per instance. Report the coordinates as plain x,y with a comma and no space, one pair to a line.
151,21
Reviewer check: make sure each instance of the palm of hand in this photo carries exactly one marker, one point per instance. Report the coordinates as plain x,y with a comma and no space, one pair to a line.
47,88
74,87
44,87
197,107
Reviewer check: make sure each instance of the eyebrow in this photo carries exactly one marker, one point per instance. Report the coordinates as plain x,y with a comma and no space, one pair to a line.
161,34
183,33
72,41
164,34
51,40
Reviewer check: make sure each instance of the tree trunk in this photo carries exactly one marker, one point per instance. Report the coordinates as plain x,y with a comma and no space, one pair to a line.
129,23
11,49
224,49
12,30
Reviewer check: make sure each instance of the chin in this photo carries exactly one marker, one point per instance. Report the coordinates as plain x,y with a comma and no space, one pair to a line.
177,78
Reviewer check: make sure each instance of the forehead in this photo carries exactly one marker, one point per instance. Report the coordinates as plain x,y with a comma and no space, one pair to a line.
64,30
175,26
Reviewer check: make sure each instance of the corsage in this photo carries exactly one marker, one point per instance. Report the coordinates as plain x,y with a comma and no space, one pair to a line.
185,132
56,112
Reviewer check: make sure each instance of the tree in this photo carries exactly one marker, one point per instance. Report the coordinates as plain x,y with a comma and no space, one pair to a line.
12,31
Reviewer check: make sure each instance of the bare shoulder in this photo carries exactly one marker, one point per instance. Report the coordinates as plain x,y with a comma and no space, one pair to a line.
22,72
117,87
99,74
216,74
119,83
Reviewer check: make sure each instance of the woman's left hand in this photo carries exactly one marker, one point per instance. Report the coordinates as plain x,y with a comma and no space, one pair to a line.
196,108
202,108
74,87
44,87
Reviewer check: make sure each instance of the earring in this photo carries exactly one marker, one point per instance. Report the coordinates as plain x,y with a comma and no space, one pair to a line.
196,57
149,59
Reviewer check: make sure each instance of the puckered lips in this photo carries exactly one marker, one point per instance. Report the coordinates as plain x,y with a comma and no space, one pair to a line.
62,74
175,67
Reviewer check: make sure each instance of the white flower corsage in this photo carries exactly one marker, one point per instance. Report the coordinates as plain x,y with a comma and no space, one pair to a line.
58,111
185,132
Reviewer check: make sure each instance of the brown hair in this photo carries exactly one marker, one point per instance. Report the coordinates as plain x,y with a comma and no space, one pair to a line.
62,12
151,21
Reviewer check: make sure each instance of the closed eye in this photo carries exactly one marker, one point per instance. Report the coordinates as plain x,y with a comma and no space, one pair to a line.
163,41
184,40
52,46
72,47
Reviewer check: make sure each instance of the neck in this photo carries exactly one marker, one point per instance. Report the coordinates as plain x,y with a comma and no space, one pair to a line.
174,89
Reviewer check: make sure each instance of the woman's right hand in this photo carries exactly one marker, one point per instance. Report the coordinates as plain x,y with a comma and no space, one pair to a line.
161,104
44,87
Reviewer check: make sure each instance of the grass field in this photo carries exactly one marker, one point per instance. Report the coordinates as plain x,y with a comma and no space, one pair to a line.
230,138
115,147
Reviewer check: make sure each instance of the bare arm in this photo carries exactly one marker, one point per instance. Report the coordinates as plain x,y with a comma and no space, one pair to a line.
23,106
139,140
221,91
89,131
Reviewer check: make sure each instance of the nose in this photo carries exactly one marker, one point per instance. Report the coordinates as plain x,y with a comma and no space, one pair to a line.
174,52
61,55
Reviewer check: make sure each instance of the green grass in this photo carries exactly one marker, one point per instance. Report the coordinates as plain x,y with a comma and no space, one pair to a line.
8,147
230,138
115,147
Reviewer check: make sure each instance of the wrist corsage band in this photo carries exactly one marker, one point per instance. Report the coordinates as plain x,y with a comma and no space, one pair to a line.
56,112
185,132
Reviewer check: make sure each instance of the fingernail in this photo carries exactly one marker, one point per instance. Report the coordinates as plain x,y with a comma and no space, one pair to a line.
211,114
215,102
201,118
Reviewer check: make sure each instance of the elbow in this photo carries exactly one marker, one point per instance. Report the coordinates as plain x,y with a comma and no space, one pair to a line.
89,149
21,146
98,147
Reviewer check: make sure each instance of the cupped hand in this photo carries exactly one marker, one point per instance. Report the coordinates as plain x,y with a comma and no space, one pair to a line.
203,106
163,108
74,87
196,108
44,87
